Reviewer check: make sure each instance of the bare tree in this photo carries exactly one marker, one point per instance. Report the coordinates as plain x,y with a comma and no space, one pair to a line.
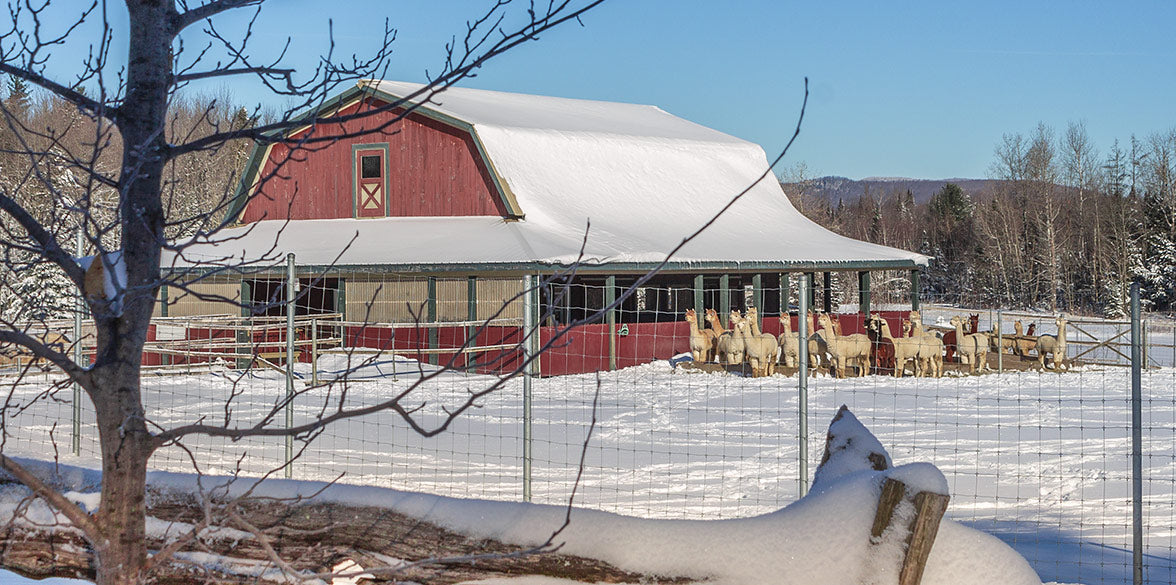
111,173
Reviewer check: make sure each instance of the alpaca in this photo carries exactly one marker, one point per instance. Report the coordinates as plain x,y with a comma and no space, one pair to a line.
789,342
905,348
730,350
930,346
721,337
844,350
1055,346
999,342
973,348
766,339
760,350
881,348
818,348
1025,341
701,342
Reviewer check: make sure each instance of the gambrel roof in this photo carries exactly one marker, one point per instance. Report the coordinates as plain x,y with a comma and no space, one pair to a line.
624,182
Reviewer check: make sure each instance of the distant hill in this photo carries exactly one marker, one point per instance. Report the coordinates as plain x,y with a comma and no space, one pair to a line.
833,189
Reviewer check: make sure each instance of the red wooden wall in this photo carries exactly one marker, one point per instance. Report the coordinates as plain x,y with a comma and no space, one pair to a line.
433,170
583,350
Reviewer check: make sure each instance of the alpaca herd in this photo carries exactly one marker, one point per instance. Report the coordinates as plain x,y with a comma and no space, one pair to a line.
922,350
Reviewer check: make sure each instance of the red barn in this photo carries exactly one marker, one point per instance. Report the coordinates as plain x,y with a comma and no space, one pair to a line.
442,215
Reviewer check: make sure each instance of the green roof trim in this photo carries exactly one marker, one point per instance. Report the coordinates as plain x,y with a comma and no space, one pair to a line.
708,267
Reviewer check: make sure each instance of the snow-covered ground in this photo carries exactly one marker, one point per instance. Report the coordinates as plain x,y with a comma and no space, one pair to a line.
1039,459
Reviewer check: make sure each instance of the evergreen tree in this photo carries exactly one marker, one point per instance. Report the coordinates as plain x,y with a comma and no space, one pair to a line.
18,100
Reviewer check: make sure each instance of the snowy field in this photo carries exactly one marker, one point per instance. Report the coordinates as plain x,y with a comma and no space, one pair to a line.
1042,460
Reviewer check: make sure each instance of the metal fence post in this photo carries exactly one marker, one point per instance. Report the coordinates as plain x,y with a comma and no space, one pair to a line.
314,352
529,331
79,306
610,318
1136,440
802,382
999,341
472,317
290,362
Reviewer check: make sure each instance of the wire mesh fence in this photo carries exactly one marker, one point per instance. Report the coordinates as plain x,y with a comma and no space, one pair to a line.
1039,458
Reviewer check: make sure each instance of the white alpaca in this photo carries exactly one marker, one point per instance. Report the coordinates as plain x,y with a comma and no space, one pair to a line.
930,346
1055,346
905,348
765,342
846,350
973,349
760,350
789,342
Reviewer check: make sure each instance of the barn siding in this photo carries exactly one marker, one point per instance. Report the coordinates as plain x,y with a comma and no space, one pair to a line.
389,300
434,170
183,304
493,293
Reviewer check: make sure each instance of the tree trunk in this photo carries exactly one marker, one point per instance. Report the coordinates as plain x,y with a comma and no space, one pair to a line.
126,447
122,329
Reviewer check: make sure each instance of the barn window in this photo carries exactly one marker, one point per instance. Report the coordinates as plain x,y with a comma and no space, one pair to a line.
370,167
370,179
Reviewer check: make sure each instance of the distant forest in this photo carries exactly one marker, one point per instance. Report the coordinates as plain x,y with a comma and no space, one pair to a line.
1058,226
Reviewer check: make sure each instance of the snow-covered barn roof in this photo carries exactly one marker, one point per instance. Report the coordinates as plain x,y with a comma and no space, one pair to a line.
624,182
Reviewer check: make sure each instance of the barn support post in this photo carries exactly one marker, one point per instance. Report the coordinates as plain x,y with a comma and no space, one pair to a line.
530,331
472,317
785,291
1136,439
757,294
290,358
915,290
812,288
724,298
244,336
79,307
431,316
828,286
699,299
610,297
802,383
864,292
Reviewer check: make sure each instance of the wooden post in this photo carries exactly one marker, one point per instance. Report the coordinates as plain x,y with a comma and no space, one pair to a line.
785,292
699,297
757,293
828,292
864,292
244,337
724,298
812,288
929,510
915,290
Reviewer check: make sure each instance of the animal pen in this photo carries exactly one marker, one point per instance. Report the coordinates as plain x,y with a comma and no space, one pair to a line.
1042,459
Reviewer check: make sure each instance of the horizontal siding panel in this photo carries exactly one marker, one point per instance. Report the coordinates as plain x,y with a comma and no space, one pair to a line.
184,304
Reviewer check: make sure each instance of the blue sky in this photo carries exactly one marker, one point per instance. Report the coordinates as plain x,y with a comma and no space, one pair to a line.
916,89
